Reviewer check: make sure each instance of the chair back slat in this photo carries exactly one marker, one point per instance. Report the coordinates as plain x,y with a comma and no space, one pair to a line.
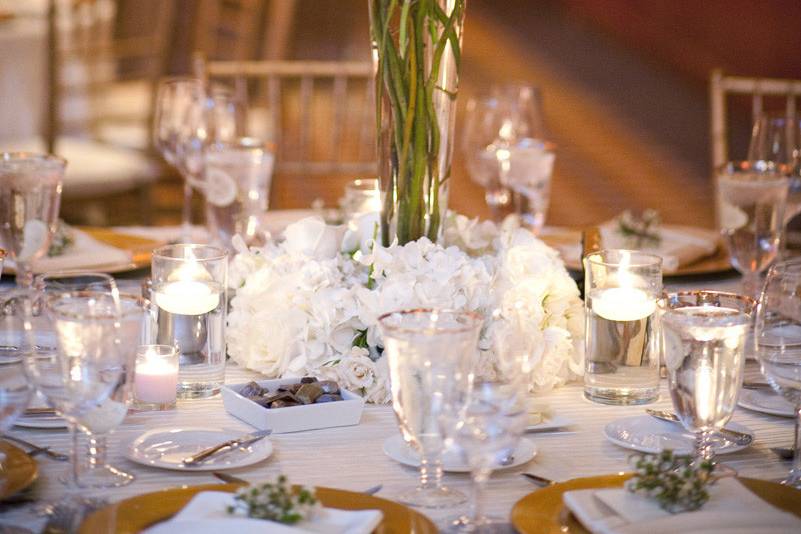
721,86
333,121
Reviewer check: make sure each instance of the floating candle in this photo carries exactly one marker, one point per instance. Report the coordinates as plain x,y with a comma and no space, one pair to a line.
623,303
187,297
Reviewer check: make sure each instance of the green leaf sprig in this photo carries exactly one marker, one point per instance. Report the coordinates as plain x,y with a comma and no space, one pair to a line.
673,481
275,501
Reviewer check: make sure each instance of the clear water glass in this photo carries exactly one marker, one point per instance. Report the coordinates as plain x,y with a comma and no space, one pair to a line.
508,153
750,216
778,339
30,196
776,146
189,290
44,365
486,424
705,341
622,326
431,355
136,327
236,186
15,388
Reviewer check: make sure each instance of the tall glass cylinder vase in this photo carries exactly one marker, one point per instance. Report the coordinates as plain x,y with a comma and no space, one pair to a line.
417,50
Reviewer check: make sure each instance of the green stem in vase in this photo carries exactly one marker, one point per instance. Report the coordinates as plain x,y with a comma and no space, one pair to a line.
411,38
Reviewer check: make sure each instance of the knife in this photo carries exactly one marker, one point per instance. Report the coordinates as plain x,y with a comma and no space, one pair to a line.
241,441
740,438
230,479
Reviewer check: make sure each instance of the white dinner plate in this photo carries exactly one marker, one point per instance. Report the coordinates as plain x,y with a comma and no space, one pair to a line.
452,461
50,422
644,433
765,401
167,447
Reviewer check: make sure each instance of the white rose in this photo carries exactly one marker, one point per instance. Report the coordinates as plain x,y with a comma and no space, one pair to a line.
356,370
312,237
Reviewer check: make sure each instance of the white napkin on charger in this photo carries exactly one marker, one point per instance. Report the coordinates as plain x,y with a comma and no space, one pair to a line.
206,514
731,509
85,252
678,246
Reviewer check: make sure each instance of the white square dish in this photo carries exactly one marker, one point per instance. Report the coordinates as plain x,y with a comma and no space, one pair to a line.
346,412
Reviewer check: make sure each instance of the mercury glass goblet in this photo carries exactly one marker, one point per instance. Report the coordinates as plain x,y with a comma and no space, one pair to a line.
431,355
30,195
705,339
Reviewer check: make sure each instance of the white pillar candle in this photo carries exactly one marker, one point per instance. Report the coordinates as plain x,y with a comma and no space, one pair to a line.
187,297
156,379
623,304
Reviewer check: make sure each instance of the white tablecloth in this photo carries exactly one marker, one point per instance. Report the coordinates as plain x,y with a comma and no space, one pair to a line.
352,458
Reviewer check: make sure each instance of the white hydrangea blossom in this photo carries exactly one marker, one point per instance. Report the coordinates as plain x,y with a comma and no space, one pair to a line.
305,307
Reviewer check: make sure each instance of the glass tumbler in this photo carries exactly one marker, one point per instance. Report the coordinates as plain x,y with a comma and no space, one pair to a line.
431,355
622,329
189,289
236,185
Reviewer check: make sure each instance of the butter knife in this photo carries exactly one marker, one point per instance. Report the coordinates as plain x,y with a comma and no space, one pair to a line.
241,441
740,438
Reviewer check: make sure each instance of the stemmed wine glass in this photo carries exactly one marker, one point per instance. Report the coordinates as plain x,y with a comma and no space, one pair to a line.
431,355
76,321
187,119
30,194
509,154
750,217
776,146
175,100
136,327
15,389
487,423
705,339
778,339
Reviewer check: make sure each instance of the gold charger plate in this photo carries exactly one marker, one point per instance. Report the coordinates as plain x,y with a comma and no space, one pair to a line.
133,515
718,262
543,512
18,470
141,248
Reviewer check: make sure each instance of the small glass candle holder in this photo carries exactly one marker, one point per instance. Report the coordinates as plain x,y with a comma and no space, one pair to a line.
156,377
188,288
622,334
361,196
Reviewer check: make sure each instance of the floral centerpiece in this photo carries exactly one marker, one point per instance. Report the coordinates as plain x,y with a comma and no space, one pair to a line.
309,305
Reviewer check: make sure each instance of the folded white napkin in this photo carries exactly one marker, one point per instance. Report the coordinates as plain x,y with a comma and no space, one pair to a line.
84,253
677,248
731,509
206,514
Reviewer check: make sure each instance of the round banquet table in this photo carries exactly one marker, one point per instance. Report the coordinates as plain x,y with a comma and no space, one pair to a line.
351,457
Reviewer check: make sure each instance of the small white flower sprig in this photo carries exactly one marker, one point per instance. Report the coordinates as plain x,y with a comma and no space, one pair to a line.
309,304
